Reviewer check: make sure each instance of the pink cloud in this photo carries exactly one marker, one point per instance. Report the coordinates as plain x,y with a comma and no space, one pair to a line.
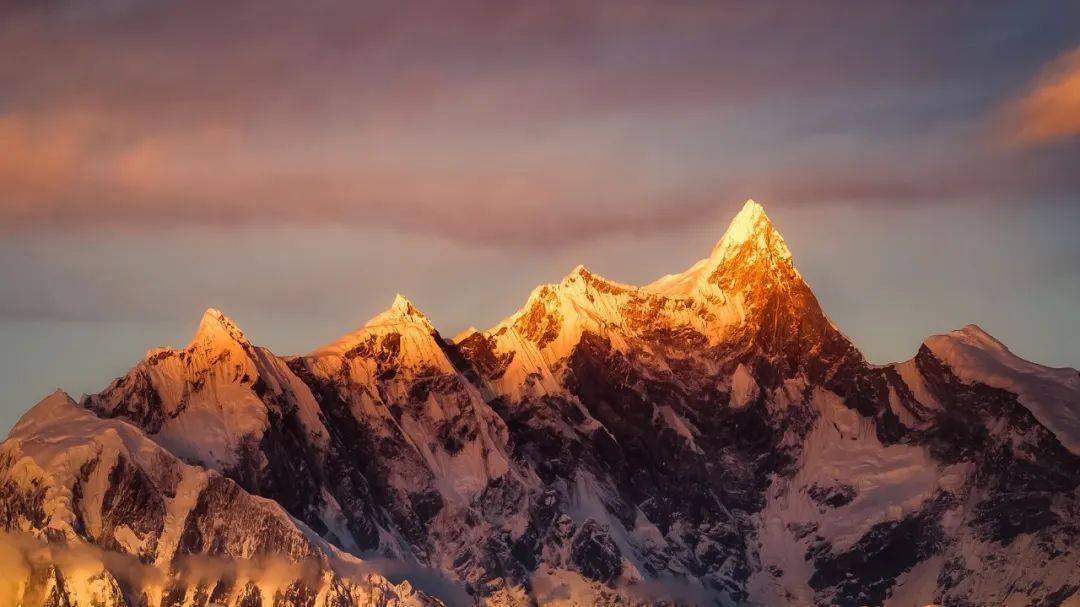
504,124
1050,110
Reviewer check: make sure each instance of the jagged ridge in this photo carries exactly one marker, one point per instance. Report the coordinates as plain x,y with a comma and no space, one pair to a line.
712,432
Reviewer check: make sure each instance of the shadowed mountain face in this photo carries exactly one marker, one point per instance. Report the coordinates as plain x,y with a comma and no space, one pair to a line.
710,438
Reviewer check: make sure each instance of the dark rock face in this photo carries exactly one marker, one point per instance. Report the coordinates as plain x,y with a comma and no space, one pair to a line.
1023,482
211,527
477,352
864,574
1059,596
834,496
712,490
349,469
595,554
132,500
133,398
19,508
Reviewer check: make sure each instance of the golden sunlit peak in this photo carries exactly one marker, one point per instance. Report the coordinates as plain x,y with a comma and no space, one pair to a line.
403,305
750,221
588,277
214,313
215,326
403,308
579,270
750,212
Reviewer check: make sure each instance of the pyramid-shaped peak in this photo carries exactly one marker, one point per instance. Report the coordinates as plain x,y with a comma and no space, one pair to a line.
972,335
750,240
402,310
581,278
215,328
579,271
44,414
403,306
751,225
748,221
751,207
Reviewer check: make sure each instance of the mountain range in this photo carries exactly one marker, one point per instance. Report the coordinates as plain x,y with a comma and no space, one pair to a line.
711,438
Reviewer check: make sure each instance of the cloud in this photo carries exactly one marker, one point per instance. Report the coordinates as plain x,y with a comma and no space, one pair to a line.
1050,110
505,124
23,555
426,579
668,590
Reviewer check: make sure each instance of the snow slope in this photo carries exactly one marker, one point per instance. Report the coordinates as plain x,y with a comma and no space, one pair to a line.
1052,395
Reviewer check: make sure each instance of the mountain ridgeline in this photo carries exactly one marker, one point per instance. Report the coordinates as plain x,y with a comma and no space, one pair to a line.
711,438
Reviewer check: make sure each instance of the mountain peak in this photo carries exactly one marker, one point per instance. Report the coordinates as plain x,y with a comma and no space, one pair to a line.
401,310
748,220
751,224
44,413
580,274
216,328
463,335
401,315
402,305
579,270
749,239
581,279
751,209
1051,395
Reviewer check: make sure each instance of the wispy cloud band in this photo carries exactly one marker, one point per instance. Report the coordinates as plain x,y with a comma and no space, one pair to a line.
516,123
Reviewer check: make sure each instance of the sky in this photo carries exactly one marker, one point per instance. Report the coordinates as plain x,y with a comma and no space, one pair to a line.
297,164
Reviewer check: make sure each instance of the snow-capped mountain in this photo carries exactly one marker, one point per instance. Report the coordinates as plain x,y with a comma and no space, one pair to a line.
710,438
99,515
